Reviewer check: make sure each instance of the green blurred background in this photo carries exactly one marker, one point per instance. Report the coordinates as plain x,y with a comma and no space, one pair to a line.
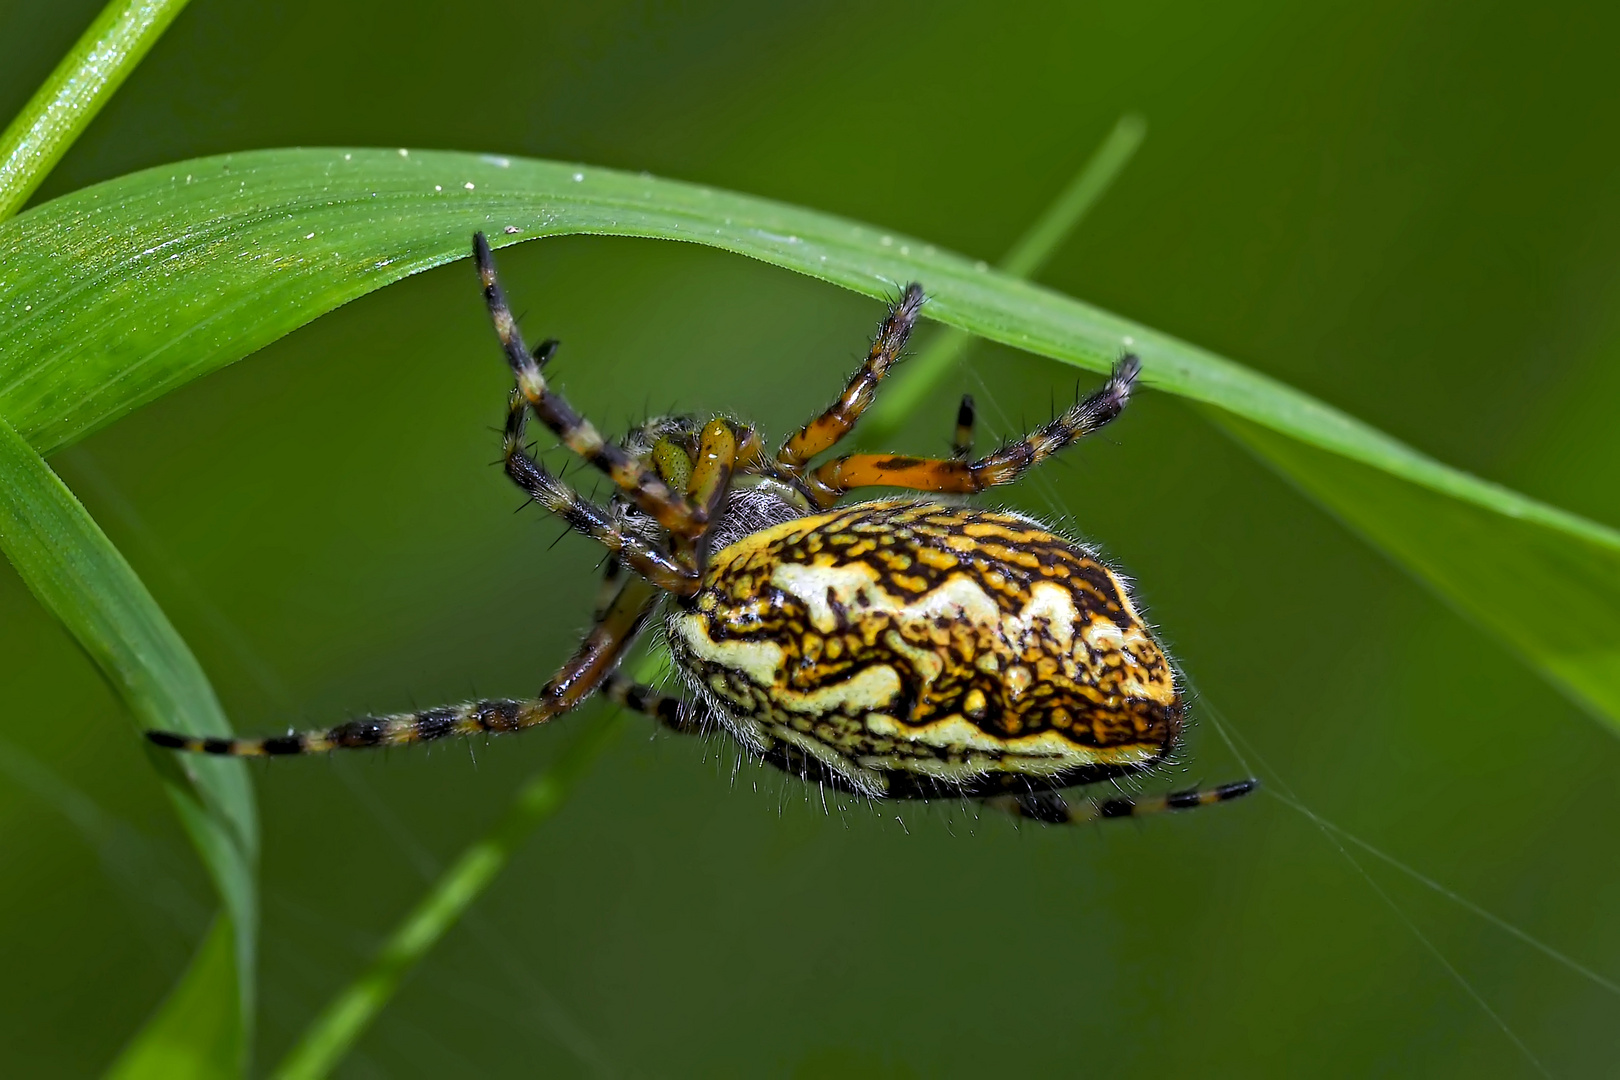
1409,210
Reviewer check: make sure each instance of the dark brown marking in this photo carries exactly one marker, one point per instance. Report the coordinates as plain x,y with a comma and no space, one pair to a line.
435,724
367,731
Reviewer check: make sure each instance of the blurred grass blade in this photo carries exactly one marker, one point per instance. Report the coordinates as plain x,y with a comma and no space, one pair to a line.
75,92
1038,245
79,576
332,1033
114,295
918,376
1551,596
196,1033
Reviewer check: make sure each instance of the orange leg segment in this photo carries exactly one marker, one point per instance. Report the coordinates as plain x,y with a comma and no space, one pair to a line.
1002,467
825,430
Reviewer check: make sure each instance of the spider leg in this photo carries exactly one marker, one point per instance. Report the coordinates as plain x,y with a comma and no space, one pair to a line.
643,699
640,484
1050,808
1002,467
962,442
832,425
711,479
603,647
711,473
584,516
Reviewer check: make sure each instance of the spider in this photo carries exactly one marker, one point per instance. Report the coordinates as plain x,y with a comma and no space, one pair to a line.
901,648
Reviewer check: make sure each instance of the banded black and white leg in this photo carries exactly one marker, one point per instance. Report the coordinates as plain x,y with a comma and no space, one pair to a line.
598,654
1052,808
668,710
639,482
630,549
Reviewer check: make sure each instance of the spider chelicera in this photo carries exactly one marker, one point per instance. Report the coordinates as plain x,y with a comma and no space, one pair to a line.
902,648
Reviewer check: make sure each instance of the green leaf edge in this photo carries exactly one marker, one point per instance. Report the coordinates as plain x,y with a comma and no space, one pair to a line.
189,1033
905,390
194,1034
82,579
55,251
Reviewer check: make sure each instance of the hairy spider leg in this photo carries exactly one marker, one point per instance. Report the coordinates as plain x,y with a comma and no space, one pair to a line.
584,516
1002,467
1050,808
752,457
640,484
962,442
825,430
638,697
603,647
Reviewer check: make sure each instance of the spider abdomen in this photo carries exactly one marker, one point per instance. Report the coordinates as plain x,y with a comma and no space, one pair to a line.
906,648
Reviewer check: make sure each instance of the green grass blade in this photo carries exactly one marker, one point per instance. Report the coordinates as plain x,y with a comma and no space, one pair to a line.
70,98
79,576
195,1034
1551,596
202,1029
1041,242
918,376
111,296
332,1033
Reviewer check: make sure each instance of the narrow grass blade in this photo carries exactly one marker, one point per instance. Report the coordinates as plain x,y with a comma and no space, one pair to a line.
114,295
81,84
79,576
1550,596
347,1017
203,1027
195,1033
918,376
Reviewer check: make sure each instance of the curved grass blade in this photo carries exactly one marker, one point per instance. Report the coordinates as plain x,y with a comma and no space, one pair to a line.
74,570
1546,594
116,294
75,92
202,1028
195,1034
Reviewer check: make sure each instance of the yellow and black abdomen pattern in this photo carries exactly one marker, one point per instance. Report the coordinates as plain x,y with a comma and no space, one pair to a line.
902,649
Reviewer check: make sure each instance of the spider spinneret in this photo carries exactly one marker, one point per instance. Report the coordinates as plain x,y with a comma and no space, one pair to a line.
901,648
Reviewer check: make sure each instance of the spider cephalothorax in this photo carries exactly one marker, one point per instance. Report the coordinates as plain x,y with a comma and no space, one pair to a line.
905,648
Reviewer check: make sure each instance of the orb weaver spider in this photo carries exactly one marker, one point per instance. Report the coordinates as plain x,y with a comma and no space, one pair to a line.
901,648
